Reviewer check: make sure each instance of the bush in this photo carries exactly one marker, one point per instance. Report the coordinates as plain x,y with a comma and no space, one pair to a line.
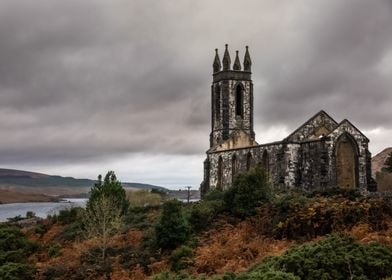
181,258
16,271
337,257
300,217
171,229
68,216
248,191
54,250
14,246
71,232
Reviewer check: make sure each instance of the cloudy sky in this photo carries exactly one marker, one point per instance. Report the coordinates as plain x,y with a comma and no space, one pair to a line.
95,85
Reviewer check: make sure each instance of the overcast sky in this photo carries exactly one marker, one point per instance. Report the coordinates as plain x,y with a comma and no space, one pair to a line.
95,85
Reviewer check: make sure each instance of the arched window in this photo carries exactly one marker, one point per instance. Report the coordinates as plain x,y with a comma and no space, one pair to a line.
248,161
239,101
233,167
217,102
220,173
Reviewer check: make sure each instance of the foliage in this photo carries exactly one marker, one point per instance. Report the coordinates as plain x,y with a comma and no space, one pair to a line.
142,198
72,232
337,257
388,164
300,217
68,216
14,246
54,250
16,271
181,258
30,214
110,188
14,250
141,217
105,210
171,230
248,191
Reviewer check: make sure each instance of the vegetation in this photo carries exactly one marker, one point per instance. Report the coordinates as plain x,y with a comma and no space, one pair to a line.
245,232
248,191
172,228
15,248
105,210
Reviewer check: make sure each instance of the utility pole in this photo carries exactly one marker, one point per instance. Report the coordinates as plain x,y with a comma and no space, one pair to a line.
189,192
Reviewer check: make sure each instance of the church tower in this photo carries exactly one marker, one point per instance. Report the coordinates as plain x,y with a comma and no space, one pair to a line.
232,99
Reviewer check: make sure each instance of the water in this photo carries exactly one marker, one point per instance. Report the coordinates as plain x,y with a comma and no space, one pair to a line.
41,209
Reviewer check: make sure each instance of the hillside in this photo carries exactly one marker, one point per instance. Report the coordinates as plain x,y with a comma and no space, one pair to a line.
379,159
31,184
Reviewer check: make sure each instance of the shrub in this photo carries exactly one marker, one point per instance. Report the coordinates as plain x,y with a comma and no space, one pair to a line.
181,258
14,246
16,271
300,217
72,231
68,216
54,250
247,192
337,257
171,230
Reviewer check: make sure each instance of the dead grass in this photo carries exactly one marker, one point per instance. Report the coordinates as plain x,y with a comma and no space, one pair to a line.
234,248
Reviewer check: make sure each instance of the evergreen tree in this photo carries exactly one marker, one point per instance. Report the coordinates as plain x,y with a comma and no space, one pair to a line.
171,229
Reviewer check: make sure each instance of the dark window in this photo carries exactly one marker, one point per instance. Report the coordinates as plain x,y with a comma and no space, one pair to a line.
234,167
239,101
220,173
217,101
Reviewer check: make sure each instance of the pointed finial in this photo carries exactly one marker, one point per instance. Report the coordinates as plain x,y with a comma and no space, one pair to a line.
226,59
217,64
247,61
237,63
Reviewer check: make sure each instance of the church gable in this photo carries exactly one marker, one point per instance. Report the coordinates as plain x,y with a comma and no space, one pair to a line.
346,126
319,125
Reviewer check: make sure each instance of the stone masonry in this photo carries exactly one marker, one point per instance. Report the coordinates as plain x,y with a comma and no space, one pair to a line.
320,154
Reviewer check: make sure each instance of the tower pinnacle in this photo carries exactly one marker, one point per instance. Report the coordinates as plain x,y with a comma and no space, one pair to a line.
226,59
247,61
217,64
237,63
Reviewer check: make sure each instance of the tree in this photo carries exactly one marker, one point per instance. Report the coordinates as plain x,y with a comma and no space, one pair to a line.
105,210
248,191
171,229
388,164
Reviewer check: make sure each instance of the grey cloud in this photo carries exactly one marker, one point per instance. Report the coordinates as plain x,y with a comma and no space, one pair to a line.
89,80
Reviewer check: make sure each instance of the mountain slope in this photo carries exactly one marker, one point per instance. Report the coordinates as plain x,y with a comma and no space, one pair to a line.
379,160
11,179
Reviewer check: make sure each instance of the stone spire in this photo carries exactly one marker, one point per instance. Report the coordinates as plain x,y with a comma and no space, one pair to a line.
217,64
226,59
237,63
247,61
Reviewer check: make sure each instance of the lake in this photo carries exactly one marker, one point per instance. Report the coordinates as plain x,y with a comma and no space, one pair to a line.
41,209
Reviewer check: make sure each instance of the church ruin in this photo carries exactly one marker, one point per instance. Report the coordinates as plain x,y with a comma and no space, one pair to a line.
321,153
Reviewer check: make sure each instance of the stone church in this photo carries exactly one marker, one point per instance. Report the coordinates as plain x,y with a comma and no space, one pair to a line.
319,154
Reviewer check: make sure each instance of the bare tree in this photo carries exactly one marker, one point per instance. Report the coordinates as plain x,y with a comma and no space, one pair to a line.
103,218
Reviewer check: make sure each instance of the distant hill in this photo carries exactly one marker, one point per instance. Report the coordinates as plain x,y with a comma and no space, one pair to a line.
379,160
32,182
